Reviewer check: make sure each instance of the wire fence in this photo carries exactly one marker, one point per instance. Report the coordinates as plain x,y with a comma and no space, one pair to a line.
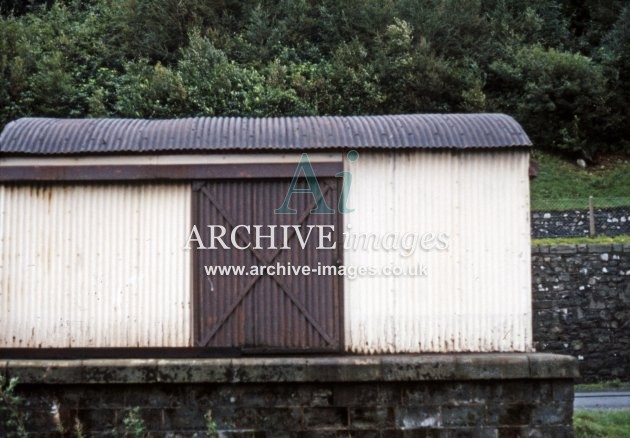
580,217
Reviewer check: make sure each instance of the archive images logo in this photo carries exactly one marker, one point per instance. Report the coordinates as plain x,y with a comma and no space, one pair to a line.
258,237
305,167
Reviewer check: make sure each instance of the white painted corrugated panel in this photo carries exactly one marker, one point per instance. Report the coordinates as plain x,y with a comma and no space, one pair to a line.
146,159
476,295
94,266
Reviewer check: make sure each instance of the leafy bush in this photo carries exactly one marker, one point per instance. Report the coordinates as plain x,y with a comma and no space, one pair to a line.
614,54
133,424
561,98
11,407
150,92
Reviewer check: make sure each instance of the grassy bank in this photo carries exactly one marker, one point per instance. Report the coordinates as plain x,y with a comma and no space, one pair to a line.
564,185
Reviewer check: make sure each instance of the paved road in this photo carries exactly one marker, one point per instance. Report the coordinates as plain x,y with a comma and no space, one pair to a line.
602,400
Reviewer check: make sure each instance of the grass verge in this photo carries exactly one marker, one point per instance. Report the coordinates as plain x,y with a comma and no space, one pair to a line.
582,240
609,424
602,386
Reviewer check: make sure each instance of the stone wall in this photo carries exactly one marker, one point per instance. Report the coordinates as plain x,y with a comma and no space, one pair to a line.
581,306
483,395
575,223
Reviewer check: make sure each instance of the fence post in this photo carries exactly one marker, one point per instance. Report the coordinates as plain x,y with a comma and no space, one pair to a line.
591,217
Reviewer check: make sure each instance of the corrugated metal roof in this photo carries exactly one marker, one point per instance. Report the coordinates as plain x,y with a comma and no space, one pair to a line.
47,136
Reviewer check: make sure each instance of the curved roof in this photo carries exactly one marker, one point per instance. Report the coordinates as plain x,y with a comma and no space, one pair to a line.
47,136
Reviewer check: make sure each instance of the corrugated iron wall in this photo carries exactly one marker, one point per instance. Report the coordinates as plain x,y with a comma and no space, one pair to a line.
104,265
94,266
476,294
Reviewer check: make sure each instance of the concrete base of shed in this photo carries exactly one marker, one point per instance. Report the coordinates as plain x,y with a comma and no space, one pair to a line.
485,395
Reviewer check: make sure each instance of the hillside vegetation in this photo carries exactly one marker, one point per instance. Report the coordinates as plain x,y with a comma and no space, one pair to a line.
561,68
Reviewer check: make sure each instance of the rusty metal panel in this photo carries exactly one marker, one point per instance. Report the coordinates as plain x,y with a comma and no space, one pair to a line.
47,136
476,294
94,266
169,172
287,311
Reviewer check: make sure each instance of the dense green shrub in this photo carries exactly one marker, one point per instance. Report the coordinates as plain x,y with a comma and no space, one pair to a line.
615,57
561,98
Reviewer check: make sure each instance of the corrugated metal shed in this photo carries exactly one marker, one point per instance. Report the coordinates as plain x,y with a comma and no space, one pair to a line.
46,136
87,263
